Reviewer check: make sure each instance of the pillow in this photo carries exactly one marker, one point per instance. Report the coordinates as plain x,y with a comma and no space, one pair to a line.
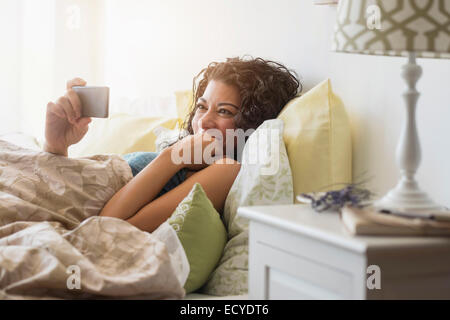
318,140
167,137
267,182
121,133
202,234
23,140
184,100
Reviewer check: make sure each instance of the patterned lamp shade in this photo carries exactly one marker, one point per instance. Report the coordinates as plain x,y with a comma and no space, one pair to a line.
393,27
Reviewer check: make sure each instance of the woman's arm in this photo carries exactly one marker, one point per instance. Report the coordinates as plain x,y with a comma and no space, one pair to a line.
215,179
146,185
143,188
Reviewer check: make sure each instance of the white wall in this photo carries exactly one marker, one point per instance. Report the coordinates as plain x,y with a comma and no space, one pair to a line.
9,64
156,47
43,44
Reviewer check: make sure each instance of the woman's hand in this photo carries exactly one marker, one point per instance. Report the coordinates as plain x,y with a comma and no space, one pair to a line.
195,151
64,125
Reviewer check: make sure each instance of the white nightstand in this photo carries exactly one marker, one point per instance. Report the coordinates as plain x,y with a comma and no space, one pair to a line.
297,253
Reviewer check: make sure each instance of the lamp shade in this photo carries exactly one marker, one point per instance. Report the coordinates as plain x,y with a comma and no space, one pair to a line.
393,27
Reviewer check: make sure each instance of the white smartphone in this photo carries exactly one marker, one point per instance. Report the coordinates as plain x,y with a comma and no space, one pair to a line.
94,101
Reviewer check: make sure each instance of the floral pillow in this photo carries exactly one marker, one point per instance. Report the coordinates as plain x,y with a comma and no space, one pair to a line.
265,178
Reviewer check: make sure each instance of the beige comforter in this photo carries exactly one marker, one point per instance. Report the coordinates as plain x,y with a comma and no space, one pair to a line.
53,244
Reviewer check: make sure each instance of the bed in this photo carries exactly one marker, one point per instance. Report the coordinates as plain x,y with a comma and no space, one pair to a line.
314,154
56,235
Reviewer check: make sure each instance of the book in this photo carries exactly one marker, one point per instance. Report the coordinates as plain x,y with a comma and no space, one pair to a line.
370,221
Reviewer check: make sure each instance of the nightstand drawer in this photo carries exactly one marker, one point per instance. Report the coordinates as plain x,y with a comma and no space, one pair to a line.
278,257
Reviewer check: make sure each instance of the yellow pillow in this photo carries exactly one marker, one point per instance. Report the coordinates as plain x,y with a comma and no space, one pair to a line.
317,135
121,133
183,102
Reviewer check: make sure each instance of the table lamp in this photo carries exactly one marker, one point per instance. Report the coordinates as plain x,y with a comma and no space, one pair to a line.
410,28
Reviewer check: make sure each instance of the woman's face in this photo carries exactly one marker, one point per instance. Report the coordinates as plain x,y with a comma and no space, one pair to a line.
217,108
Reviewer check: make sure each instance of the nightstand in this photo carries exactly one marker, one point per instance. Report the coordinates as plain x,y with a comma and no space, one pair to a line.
297,253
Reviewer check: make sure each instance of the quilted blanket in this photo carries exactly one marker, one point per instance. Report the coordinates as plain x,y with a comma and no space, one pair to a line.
53,244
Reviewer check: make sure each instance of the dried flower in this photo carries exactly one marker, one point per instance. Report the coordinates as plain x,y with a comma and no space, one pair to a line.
336,199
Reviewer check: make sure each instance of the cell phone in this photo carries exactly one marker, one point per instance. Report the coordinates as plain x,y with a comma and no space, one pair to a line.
94,101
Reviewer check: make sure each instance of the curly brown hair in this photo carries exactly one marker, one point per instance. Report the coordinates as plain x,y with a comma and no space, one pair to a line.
265,87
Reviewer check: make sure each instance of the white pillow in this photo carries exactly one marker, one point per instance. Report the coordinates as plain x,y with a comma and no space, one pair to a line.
256,184
23,140
166,137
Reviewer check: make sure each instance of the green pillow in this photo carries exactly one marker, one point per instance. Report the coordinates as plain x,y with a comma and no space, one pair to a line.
202,234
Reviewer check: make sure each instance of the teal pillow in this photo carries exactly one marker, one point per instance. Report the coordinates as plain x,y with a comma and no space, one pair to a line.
202,234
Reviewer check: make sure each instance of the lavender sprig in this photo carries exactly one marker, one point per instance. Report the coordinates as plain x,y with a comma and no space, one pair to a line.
337,199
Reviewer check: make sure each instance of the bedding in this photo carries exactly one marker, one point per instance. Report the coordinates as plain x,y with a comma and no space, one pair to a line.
318,140
121,133
316,146
264,179
202,234
184,101
53,244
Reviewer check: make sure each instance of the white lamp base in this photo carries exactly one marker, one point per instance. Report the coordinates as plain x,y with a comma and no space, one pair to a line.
407,197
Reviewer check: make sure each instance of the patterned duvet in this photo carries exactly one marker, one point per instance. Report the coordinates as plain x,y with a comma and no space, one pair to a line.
53,244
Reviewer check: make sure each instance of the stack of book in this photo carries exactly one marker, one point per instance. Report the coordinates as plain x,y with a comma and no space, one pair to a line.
371,221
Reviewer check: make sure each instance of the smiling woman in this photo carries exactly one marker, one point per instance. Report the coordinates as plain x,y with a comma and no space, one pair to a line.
216,110
263,86
236,94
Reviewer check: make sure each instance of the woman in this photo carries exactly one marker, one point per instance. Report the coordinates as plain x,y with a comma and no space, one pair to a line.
236,94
